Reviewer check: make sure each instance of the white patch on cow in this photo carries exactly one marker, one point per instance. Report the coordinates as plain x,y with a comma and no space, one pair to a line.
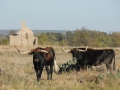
56,67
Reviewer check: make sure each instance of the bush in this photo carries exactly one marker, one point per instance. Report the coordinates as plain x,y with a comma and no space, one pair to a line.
4,41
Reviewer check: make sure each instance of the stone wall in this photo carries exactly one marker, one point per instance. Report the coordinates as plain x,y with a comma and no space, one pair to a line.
24,37
15,40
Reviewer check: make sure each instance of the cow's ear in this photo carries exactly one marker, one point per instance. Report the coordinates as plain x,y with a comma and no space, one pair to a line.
30,53
69,51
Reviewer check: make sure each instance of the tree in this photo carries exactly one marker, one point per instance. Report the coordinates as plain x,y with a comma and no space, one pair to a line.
51,37
69,38
58,36
4,41
10,33
115,37
42,39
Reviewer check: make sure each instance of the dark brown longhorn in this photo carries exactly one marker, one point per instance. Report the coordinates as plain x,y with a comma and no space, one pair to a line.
93,57
42,57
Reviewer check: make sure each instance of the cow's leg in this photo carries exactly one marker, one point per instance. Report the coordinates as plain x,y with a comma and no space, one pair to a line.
82,67
108,66
41,69
48,71
39,73
77,66
51,71
85,67
71,67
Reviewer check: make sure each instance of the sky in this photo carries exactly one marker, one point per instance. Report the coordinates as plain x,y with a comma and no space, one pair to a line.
100,15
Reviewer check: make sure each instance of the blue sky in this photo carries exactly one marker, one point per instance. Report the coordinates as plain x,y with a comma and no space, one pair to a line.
100,15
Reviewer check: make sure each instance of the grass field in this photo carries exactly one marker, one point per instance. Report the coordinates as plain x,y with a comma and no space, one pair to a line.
17,73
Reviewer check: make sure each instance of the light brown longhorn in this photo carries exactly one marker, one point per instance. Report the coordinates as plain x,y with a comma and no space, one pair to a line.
65,50
83,50
26,52
78,50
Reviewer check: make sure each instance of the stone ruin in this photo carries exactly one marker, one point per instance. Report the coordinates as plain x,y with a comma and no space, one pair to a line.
24,37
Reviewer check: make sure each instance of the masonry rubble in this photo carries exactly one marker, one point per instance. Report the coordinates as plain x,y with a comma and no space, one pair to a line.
24,37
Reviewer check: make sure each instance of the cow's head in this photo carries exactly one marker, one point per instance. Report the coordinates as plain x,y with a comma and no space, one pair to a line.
37,53
75,51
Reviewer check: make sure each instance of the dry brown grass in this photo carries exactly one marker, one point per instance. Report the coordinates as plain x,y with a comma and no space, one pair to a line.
17,73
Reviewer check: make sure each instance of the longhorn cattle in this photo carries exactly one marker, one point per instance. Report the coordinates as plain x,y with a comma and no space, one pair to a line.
93,57
42,57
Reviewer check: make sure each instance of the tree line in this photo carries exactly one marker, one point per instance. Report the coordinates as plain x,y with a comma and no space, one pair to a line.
78,37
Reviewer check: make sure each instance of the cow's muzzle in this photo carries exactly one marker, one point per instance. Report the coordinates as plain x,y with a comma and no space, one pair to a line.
74,58
36,60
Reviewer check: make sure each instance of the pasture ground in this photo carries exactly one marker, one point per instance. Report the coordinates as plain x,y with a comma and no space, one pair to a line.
17,73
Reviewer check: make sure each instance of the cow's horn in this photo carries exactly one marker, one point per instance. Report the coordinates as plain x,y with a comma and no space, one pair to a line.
21,52
65,50
26,52
44,51
83,50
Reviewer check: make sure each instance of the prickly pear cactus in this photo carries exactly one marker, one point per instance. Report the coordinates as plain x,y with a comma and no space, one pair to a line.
101,76
118,73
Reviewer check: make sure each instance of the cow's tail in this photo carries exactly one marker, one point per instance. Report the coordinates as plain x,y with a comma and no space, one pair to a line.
56,67
114,65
